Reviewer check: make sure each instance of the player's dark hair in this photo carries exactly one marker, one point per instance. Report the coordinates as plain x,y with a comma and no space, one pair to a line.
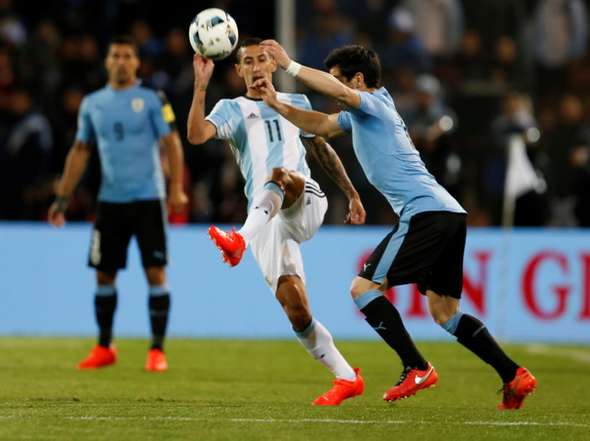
354,58
250,41
124,39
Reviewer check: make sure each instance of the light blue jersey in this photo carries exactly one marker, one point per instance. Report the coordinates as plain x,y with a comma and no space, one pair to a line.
127,126
260,137
390,160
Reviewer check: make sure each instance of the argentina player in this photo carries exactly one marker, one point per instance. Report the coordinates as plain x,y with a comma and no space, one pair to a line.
127,123
286,206
427,245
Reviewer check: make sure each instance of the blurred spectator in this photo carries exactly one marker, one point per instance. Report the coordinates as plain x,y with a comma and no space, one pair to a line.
508,68
561,34
471,61
329,29
495,18
531,208
566,149
52,53
439,24
24,160
7,79
403,91
12,29
371,23
429,126
142,33
403,48
40,54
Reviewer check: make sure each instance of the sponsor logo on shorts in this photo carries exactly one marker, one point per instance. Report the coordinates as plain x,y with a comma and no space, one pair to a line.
95,255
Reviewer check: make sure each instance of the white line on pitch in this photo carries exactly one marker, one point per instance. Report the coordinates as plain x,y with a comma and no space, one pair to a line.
572,354
316,421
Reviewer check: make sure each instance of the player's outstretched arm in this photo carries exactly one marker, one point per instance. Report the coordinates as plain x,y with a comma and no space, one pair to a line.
176,197
310,121
76,163
315,79
199,130
330,162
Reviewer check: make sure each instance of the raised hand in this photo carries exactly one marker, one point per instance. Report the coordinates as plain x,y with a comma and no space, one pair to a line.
203,69
267,91
277,51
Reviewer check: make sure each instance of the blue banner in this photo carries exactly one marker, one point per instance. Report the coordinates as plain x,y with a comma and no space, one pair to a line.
526,285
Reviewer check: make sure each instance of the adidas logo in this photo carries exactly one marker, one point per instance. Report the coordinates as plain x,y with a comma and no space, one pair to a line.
252,116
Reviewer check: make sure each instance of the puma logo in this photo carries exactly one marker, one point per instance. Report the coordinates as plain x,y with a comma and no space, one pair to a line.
380,327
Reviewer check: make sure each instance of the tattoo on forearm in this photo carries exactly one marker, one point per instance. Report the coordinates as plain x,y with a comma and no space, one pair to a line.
332,165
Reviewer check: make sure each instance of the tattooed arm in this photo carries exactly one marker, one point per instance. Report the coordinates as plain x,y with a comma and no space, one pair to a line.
330,162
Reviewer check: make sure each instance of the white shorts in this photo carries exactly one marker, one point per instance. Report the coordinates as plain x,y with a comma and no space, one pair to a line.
276,246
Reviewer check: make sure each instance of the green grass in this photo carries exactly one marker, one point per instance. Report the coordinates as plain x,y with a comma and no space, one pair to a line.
261,390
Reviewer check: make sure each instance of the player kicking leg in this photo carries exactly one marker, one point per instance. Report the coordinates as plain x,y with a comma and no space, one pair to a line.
289,210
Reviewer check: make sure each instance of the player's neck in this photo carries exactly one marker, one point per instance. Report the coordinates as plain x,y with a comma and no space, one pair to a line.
122,86
253,95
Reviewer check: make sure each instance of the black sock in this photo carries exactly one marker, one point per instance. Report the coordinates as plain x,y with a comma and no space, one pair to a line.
159,307
386,320
104,309
474,335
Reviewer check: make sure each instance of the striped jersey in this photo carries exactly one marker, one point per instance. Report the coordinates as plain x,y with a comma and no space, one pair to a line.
127,125
389,159
261,139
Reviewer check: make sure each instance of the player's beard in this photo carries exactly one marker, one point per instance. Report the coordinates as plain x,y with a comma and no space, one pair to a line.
122,77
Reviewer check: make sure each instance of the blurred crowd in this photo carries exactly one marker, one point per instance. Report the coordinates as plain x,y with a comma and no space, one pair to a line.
466,76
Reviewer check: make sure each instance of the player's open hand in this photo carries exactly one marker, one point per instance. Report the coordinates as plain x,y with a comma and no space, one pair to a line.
356,212
56,217
267,91
203,69
177,200
277,51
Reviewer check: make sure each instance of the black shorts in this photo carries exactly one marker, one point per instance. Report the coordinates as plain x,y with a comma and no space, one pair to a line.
116,223
426,250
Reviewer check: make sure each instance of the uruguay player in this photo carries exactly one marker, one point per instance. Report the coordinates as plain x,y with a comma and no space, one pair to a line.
286,206
427,245
127,122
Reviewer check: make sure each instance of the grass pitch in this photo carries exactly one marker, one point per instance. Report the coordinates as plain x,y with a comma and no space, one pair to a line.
261,390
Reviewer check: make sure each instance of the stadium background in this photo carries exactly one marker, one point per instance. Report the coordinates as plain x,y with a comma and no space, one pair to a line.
496,93
469,78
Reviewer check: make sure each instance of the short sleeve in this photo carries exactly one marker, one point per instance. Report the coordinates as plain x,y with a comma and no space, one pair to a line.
162,116
301,101
344,121
224,118
370,104
85,132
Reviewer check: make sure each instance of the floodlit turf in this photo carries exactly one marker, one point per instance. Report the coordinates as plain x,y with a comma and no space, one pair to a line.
261,390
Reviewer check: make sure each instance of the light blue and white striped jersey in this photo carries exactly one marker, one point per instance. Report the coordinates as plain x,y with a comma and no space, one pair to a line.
127,125
260,137
390,160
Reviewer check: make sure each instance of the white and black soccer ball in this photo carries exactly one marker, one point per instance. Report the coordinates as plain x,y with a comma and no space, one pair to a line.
213,33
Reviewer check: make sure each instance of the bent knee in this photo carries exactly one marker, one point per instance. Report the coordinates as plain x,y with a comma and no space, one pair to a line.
280,175
441,314
360,286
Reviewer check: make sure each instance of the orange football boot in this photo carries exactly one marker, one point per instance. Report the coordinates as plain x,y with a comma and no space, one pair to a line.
341,390
411,381
100,356
232,245
514,393
156,361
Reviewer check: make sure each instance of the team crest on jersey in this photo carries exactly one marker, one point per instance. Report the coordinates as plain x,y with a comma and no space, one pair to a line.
137,104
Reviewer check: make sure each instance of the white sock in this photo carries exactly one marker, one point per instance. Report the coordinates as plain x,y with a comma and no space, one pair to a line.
264,207
319,343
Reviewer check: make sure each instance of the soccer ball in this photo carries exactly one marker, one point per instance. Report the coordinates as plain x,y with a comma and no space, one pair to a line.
213,33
